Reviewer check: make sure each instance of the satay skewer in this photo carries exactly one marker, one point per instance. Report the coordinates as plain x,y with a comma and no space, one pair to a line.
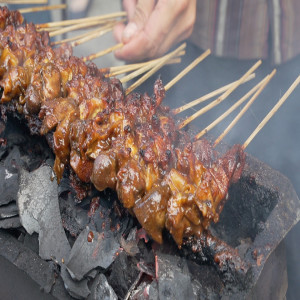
81,26
156,68
187,69
124,70
118,70
221,98
208,96
264,82
103,30
25,1
42,8
146,67
272,112
256,90
112,16
103,52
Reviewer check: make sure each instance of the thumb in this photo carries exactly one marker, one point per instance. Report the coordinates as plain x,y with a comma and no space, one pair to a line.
143,10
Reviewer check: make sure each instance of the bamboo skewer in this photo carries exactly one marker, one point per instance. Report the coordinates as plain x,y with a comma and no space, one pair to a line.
156,68
25,1
176,60
84,36
74,38
272,112
264,82
221,98
103,52
231,109
208,96
187,69
257,89
42,8
143,69
112,16
88,37
79,26
118,70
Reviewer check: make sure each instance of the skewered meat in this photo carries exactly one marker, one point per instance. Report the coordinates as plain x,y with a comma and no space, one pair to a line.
130,144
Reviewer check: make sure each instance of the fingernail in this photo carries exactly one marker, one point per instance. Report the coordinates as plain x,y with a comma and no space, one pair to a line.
129,31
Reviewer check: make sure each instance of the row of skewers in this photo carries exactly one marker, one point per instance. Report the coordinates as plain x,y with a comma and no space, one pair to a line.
118,139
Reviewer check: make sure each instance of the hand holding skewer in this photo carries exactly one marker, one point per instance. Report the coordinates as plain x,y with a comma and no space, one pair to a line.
154,27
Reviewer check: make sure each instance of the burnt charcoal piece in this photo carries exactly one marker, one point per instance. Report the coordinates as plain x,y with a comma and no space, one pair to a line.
123,274
39,212
32,265
92,250
9,210
74,218
102,290
32,242
77,289
206,281
7,223
174,280
13,161
9,179
8,186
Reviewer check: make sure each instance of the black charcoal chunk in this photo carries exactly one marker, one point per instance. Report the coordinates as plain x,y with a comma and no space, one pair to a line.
9,185
123,274
32,265
31,241
39,212
92,250
77,289
9,210
102,290
13,161
74,218
174,280
13,222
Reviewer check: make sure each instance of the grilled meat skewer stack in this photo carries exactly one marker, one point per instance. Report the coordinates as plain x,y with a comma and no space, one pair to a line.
127,143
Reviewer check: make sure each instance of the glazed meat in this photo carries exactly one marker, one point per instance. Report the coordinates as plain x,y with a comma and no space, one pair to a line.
127,143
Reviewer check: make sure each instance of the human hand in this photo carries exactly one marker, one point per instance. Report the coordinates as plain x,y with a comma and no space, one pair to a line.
154,26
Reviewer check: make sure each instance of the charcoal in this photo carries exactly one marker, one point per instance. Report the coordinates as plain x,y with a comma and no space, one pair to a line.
13,161
92,250
123,274
101,289
206,282
31,241
13,222
39,212
9,185
130,245
9,210
92,274
140,292
153,291
29,262
174,279
106,215
74,218
77,289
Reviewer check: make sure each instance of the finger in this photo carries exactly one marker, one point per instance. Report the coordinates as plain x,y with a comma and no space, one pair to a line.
129,7
146,43
162,31
143,10
118,32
